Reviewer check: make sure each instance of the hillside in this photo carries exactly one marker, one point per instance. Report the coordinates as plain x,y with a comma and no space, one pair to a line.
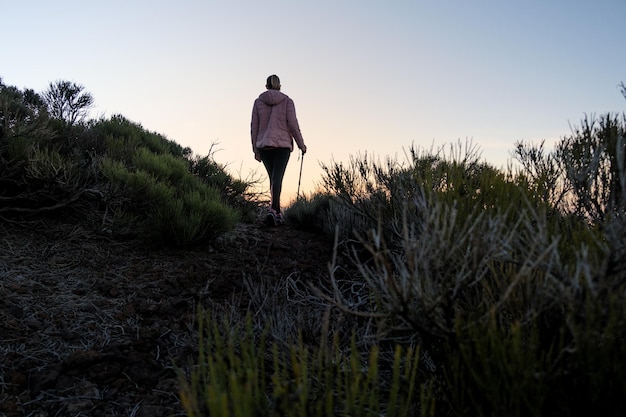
469,289
92,326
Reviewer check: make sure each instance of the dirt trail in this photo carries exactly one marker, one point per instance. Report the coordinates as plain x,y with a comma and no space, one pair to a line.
90,326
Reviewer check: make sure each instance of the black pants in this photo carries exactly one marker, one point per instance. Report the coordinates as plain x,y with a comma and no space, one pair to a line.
275,161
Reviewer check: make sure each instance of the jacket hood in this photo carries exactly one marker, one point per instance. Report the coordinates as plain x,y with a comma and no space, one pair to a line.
272,97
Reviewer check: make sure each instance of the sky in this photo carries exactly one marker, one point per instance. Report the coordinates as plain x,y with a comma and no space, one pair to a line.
366,76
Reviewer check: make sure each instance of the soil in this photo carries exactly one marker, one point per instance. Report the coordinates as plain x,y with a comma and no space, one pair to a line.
91,326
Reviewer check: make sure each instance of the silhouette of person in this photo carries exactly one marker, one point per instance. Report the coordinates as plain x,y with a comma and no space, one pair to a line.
274,128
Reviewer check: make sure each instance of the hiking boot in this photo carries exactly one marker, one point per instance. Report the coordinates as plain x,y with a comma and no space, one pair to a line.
270,219
279,219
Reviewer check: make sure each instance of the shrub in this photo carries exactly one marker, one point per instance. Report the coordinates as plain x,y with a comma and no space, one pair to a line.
500,370
585,175
513,299
121,138
371,194
164,167
504,321
240,374
22,114
312,214
191,218
38,179
138,179
234,192
179,209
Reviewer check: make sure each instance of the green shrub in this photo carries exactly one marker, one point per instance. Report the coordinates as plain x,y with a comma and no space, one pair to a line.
506,323
514,300
513,370
234,192
585,175
311,214
23,114
172,215
374,193
595,167
36,178
191,218
175,199
242,374
499,370
139,178
17,150
123,137
163,167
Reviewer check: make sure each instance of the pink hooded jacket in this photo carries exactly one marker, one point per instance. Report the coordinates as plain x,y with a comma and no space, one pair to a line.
274,123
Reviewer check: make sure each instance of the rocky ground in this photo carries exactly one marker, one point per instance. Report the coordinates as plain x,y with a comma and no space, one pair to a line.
91,326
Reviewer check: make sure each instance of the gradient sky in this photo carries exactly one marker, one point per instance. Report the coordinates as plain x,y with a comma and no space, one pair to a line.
366,76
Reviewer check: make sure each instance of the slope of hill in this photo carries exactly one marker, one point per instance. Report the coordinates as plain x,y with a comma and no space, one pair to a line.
92,326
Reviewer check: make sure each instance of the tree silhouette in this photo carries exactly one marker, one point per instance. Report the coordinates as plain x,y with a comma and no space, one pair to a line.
66,101
21,112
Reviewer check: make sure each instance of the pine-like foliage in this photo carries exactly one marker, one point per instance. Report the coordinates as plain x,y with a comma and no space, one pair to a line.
512,284
111,173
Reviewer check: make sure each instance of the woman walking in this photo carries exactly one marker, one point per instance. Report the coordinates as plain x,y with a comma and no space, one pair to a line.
274,127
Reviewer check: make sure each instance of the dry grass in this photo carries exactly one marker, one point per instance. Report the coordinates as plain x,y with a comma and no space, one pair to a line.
72,306
91,326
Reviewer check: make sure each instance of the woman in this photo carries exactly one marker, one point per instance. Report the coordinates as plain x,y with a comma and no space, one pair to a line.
274,127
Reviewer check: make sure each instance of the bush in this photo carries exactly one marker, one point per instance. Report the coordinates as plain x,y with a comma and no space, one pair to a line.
234,192
180,210
311,214
191,218
164,167
110,172
38,179
122,138
505,323
240,374
515,301
22,114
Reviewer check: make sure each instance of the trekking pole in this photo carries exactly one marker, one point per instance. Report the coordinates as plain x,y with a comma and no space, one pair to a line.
300,176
